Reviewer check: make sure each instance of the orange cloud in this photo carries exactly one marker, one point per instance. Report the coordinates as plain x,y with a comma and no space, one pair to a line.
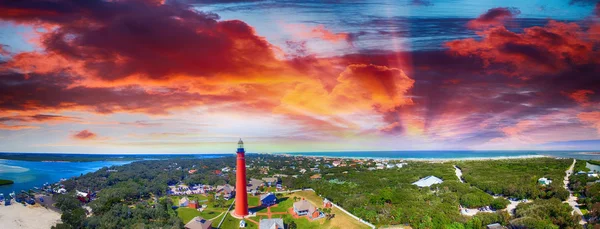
591,118
84,135
16,127
359,87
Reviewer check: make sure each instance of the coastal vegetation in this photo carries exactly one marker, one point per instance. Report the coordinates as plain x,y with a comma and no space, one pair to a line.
519,176
136,193
6,182
545,213
587,188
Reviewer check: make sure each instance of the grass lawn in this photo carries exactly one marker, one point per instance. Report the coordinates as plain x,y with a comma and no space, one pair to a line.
231,222
209,214
187,214
283,204
216,221
253,200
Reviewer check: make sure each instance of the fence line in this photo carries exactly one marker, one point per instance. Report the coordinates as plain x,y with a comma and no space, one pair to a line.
227,212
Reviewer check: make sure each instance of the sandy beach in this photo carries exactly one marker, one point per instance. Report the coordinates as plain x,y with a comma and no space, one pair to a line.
27,217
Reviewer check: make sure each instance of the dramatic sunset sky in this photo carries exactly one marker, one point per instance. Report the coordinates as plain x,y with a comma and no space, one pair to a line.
192,76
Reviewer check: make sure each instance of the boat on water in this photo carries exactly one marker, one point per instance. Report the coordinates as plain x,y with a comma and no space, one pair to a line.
1,197
12,194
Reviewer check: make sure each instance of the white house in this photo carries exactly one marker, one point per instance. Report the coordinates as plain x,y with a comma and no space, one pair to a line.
544,181
428,181
183,202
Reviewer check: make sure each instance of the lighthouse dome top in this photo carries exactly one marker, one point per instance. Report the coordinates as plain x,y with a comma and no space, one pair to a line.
240,146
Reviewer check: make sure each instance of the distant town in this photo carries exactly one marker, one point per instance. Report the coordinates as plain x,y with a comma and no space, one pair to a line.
283,191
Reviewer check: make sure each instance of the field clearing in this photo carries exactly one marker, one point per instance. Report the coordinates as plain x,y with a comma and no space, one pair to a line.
341,219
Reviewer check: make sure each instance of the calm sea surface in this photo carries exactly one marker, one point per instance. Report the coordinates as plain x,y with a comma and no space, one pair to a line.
29,174
462,154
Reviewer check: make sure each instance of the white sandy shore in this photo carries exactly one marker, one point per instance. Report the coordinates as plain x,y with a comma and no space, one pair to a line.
27,217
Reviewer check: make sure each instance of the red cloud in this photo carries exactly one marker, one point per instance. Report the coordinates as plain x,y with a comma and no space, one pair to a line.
127,39
84,135
493,17
581,96
538,50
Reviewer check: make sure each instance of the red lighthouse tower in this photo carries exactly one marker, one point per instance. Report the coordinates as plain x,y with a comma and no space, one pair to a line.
241,198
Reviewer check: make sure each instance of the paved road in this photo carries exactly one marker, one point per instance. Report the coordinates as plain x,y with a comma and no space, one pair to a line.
572,201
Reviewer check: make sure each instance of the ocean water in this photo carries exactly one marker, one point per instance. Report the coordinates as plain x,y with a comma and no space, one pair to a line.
453,154
29,174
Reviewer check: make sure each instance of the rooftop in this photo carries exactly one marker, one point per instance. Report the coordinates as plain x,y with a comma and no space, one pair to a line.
428,181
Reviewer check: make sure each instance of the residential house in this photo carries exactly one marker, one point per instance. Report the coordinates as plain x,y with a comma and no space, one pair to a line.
184,202
226,191
192,171
336,163
544,181
267,199
315,177
302,171
198,223
305,208
428,181
316,170
276,223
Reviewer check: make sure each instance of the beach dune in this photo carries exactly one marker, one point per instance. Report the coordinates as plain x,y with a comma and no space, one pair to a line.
27,217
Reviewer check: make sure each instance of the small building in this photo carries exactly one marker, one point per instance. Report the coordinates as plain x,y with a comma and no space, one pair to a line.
494,226
428,181
198,223
327,203
225,191
336,163
315,177
193,204
276,223
268,199
192,171
302,171
184,202
544,181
